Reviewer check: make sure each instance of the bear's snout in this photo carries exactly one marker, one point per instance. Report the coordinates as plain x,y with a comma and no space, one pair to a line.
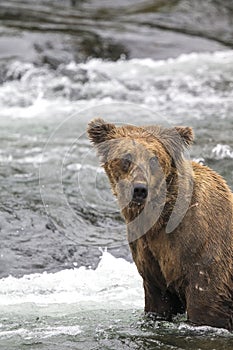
140,192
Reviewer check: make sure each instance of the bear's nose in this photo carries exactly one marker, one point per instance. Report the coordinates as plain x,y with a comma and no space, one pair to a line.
140,192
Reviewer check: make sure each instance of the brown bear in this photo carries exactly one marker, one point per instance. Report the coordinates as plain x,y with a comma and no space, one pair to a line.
179,220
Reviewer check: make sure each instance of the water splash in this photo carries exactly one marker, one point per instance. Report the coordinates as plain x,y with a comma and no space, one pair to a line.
115,283
222,152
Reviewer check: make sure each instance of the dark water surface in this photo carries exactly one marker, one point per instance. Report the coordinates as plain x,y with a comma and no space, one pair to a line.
52,32
61,64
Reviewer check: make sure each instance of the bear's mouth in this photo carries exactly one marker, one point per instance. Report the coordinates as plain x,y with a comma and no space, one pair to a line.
136,203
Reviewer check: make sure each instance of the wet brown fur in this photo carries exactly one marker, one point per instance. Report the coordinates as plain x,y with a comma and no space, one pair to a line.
191,268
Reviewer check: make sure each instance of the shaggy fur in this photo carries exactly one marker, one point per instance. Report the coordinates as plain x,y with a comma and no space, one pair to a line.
181,236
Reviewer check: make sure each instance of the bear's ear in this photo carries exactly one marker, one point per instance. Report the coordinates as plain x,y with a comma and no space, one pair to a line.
186,133
99,131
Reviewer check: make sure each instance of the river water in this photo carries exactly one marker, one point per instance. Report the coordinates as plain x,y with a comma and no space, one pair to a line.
67,280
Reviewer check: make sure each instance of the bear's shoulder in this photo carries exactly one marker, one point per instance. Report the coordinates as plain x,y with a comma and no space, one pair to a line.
210,182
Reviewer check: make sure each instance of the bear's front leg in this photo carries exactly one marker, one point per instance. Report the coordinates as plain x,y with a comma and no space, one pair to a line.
161,303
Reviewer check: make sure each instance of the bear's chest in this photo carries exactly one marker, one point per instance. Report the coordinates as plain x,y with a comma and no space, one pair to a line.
156,258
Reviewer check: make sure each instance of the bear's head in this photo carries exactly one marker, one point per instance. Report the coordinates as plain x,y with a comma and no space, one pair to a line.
141,162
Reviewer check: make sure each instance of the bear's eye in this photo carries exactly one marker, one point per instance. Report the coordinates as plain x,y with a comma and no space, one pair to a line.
126,162
153,163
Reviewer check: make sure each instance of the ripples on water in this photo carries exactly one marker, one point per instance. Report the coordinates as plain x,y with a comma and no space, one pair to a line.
74,294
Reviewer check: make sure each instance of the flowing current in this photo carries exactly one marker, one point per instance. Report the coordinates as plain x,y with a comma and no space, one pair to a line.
67,279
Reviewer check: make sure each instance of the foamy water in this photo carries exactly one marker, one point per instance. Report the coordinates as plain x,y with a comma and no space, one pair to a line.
170,87
41,333
222,152
55,305
115,283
